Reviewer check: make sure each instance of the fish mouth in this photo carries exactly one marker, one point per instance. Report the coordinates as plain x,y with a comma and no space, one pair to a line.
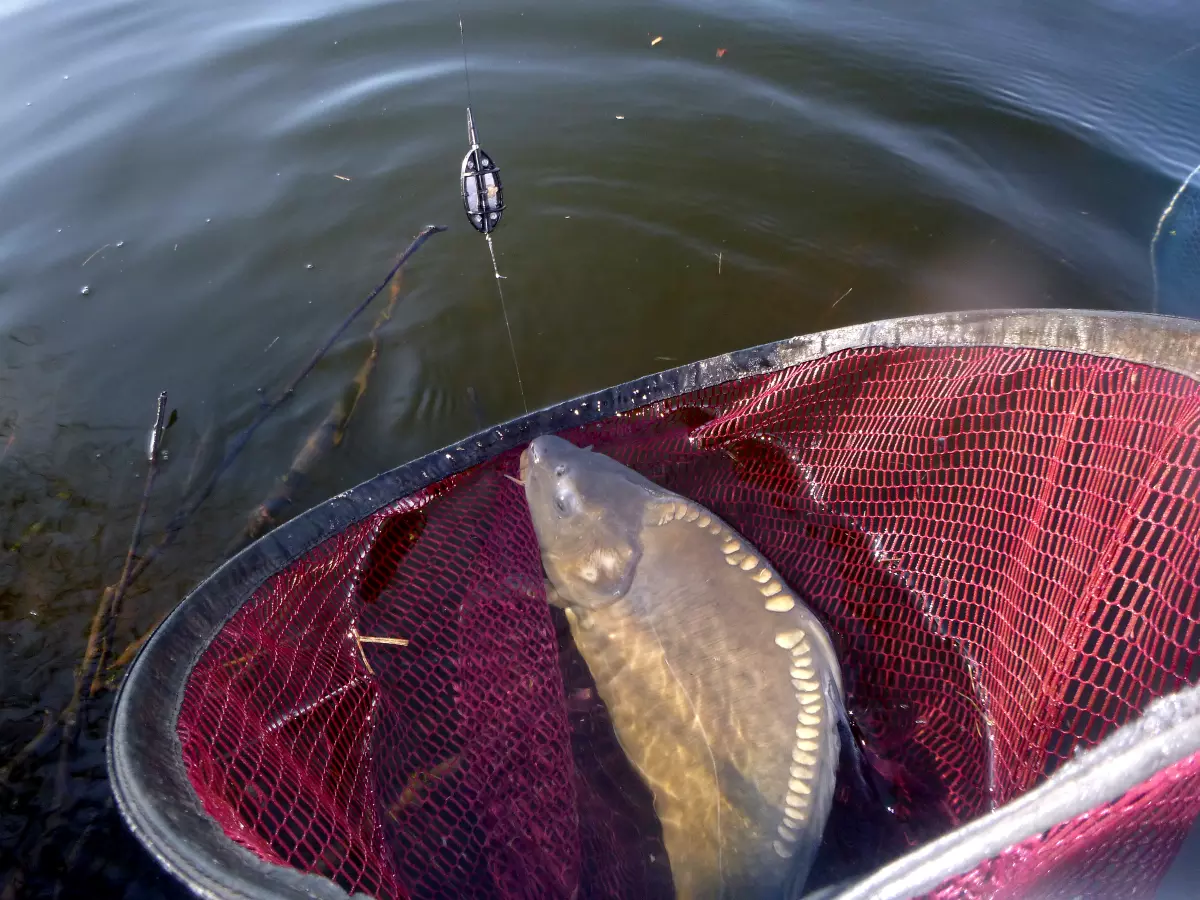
532,456
528,457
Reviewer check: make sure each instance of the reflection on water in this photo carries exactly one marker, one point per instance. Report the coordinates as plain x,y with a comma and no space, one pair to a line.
838,163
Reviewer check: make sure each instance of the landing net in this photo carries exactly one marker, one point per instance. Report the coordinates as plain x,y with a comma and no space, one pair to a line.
1004,543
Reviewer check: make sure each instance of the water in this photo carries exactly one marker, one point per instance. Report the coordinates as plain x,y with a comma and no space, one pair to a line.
840,162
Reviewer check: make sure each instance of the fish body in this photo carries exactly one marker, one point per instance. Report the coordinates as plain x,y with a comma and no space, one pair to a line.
723,688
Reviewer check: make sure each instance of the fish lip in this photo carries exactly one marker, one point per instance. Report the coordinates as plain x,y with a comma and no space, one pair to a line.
527,458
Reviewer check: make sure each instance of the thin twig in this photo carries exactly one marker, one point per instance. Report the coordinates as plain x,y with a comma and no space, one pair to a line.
40,743
420,784
89,259
320,354
231,454
324,437
360,639
362,654
114,608
127,655
104,621
185,511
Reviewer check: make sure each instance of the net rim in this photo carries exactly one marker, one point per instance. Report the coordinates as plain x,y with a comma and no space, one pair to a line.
145,766
1165,734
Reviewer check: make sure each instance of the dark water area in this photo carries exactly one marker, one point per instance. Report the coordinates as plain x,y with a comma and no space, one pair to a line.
839,162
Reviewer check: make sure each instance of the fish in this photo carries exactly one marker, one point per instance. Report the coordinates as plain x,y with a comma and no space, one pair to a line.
723,687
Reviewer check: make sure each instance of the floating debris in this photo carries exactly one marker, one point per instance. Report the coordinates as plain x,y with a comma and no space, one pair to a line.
720,52
308,265
342,177
656,40
85,290
90,258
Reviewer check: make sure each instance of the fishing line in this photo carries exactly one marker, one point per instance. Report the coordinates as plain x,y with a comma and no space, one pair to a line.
463,41
483,201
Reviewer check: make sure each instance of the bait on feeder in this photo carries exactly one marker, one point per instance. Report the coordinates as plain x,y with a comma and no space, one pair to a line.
482,192
483,202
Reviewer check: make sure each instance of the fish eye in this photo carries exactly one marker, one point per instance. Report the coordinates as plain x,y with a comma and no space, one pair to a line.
565,501
560,470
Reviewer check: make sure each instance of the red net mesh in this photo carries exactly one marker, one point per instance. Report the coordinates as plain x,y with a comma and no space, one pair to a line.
1116,850
1003,543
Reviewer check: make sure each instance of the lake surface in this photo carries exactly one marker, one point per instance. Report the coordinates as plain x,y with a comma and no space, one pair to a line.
838,162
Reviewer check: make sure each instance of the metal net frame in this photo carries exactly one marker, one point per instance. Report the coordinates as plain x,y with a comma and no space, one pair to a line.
997,515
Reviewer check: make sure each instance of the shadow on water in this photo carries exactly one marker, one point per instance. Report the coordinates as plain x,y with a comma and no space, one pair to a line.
836,163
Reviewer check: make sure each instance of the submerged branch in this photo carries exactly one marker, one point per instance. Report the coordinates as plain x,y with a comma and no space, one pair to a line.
41,742
118,596
104,621
231,454
67,723
325,437
126,657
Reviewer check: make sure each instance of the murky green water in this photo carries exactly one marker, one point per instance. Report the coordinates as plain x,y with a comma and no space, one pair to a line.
839,162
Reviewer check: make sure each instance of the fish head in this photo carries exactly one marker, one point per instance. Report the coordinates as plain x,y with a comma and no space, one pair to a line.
587,512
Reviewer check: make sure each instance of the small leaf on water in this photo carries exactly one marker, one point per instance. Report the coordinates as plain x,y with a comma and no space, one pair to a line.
656,40
173,418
